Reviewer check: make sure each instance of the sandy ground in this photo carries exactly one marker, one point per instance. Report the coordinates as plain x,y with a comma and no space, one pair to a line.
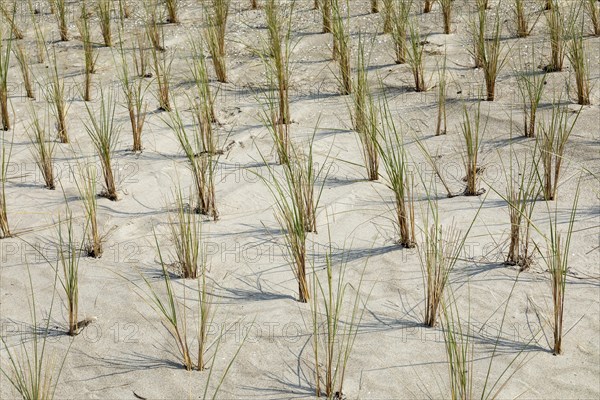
126,352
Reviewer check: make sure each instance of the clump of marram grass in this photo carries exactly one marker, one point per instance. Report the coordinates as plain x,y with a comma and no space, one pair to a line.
427,6
68,262
578,57
186,235
552,138
140,54
459,342
104,133
5,152
214,36
341,45
254,4
416,57
522,190
279,132
446,6
162,63
90,57
336,317
521,201
401,12
172,11
103,11
204,106
42,148
592,9
365,115
477,31
388,14
152,27
522,18
32,370
279,27
557,260
203,164
40,44
392,154
296,206
134,91
55,95
326,16
556,27
124,10
472,132
86,184
4,66
10,16
374,6
62,13
23,59
174,316
531,86
438,254
492,60
441,125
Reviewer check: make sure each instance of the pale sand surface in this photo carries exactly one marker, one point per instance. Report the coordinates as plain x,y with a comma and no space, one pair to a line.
126,350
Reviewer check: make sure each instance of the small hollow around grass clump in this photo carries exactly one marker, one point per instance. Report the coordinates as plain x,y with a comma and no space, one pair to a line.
552,139
472,132
104,133
42,148
336,316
